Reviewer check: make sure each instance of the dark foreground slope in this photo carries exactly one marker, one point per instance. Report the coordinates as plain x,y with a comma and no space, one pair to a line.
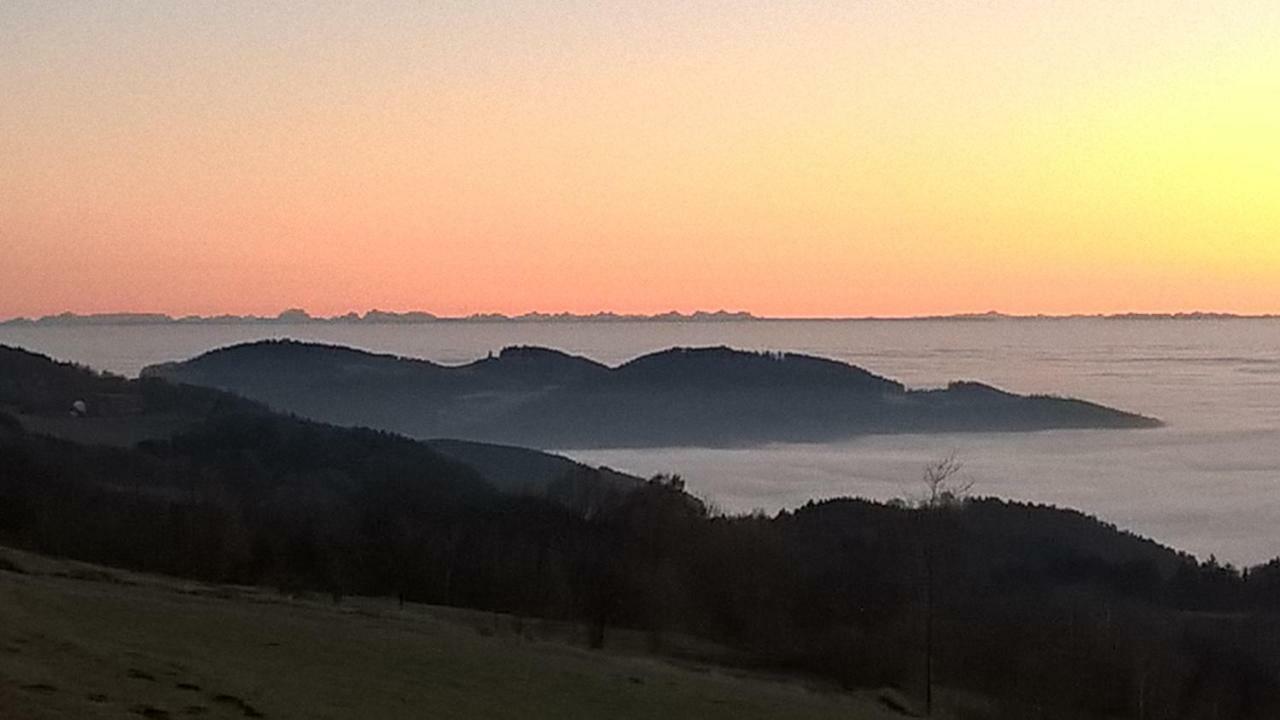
85,643
544,398
1036,609
1044,612
223,488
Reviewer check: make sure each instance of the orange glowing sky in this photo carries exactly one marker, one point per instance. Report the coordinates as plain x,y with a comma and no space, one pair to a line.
826,158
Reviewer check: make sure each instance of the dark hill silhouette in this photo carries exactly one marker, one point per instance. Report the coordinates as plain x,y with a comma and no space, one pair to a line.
683,396
40,394
35,384
737,370
523,364
523,471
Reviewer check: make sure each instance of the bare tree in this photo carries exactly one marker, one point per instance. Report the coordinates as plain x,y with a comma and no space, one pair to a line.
943,487
943,490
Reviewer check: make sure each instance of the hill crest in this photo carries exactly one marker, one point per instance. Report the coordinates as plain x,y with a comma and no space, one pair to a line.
682,396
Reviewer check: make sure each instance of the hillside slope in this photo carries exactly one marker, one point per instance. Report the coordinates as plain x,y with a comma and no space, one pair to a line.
83,642
75,403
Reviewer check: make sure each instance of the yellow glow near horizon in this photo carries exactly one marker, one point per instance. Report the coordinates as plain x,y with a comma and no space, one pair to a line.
841,159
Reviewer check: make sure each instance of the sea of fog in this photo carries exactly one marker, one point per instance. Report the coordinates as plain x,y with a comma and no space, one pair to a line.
1208,482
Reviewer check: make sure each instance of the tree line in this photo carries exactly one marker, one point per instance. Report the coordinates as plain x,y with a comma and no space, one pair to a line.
1043,609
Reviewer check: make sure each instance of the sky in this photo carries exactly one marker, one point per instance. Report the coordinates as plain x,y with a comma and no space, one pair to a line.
785,158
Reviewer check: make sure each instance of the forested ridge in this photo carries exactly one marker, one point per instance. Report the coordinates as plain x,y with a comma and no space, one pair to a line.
1037,607
545,398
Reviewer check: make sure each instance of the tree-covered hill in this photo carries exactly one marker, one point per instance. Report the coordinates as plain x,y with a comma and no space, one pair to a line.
544,398
1042,609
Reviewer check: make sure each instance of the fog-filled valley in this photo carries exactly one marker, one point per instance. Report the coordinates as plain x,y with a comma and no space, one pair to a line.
212,487
1200,483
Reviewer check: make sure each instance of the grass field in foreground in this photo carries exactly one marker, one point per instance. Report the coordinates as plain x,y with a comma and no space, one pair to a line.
81,642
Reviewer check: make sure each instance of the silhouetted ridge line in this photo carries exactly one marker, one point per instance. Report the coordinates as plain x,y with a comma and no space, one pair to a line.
297,316
378,317
72,402
538,397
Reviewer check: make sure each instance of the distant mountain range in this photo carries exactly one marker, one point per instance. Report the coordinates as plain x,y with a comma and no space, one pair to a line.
380,317
299,317
537,397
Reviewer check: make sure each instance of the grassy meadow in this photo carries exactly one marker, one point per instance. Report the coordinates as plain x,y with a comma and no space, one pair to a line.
77,641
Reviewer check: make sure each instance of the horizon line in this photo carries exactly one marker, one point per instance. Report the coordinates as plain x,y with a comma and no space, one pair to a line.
377,316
